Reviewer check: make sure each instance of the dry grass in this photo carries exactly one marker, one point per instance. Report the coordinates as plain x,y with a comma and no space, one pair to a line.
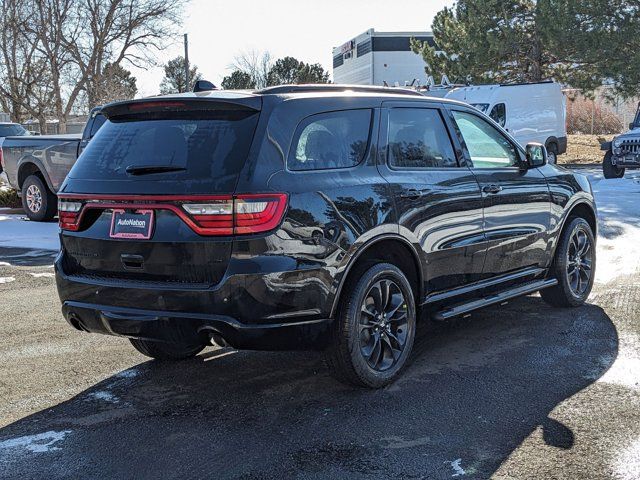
584,149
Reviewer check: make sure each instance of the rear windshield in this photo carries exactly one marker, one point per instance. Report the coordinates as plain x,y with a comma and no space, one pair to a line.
10,130
207,151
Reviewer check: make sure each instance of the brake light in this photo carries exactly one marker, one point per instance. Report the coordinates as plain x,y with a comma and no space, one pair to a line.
69,215
242,214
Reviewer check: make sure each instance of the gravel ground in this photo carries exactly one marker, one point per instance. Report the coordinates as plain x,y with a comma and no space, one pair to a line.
519,391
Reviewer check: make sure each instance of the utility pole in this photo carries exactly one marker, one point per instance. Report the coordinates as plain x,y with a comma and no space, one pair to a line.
186,63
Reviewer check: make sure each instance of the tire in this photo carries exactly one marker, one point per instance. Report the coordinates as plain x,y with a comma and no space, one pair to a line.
351,355
166,351
552,154
39,203
609,169
564,294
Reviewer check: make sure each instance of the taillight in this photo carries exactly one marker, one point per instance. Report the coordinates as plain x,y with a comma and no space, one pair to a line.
258,213
210,216
69,214
241,214
1,159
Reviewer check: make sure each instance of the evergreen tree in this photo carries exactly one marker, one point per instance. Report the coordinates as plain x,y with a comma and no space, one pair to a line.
238,80
174,79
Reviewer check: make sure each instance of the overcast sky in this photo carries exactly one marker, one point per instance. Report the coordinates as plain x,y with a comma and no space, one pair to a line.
306,30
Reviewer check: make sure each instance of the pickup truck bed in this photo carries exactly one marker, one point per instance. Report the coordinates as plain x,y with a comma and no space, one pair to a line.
36,166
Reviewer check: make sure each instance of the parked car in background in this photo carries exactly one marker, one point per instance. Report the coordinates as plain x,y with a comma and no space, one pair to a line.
36,166
8,129
531,112
324,217
623,151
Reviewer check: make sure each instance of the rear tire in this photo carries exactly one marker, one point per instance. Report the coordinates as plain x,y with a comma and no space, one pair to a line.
609,169
166,351
372,335
573,266
38,202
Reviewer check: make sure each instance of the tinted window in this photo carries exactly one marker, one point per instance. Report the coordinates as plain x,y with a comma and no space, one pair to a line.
331,140
499,114
212,148
98,121
487,147
12,130
419,139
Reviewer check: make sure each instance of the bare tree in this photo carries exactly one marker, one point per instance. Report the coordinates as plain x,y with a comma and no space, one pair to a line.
24,74
256,64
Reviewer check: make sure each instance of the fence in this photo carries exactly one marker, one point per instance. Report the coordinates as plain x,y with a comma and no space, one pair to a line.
600,115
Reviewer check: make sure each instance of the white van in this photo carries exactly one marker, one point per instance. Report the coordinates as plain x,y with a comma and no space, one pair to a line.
530,112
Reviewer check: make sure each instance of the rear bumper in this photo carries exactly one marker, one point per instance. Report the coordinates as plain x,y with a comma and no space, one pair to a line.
180,327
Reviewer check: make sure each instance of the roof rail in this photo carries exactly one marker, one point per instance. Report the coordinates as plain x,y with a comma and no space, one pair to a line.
330,87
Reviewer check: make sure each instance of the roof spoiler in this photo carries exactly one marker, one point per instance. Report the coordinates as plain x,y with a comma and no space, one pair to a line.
194,103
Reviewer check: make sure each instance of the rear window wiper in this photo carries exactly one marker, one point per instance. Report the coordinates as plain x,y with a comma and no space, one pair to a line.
149,169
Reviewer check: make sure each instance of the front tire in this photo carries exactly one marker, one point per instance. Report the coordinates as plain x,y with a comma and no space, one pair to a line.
552,154
609,169
38,202
166,351
573,266
374,329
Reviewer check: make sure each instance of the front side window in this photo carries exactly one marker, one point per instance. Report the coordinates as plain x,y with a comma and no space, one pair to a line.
331,140
487,147
499,114
418,139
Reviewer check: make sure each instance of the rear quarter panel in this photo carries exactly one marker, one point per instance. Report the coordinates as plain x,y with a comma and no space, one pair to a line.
330,213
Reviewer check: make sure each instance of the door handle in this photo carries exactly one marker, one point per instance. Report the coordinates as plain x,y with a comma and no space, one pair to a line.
412,194
493,188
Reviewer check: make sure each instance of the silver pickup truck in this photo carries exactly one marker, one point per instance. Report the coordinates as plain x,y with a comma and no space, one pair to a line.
36,166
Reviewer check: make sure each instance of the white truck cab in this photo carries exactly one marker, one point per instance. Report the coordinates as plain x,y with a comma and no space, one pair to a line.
530,112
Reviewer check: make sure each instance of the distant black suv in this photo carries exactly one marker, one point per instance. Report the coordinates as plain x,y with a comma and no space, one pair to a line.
323,217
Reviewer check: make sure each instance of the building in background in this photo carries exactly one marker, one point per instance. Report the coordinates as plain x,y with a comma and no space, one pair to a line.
373,58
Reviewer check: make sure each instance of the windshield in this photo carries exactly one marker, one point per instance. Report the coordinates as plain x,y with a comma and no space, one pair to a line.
12,130
203,151
481,106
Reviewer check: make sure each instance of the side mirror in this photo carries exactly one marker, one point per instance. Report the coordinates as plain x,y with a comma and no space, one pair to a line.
632,125
536,155
204,86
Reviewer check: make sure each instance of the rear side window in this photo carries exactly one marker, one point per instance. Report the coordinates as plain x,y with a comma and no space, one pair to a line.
98,121
331,140
419,139
199,150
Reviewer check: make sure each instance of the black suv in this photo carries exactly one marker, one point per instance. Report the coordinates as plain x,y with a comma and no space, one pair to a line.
323,217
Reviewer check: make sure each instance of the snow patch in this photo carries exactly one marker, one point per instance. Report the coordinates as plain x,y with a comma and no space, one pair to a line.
7,279
458,470
42,275
104,396
18,231
38,443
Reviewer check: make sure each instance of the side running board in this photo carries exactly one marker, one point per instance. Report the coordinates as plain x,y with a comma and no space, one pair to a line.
518,291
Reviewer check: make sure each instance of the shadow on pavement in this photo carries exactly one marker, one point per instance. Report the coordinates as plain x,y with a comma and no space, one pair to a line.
474,391
27,257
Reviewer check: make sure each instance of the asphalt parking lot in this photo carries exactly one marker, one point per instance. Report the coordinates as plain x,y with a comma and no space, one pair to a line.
518,391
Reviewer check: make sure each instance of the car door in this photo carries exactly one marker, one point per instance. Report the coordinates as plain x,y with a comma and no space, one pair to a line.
516,199
438,200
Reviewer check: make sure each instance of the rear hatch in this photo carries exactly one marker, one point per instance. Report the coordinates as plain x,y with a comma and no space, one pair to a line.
151,198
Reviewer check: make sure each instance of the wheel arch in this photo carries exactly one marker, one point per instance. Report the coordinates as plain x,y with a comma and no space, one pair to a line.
390,248
552,140
31,166
580,209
